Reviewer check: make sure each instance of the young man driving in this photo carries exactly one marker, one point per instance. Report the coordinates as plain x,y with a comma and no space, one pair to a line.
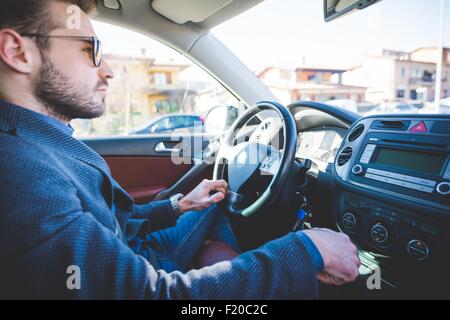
60,209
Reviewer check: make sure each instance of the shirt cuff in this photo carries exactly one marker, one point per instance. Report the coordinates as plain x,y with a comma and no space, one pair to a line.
314,253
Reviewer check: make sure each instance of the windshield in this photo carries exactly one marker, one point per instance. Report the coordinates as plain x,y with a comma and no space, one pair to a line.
379,60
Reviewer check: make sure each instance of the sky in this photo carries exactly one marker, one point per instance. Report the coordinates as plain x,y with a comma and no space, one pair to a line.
291,33
285,31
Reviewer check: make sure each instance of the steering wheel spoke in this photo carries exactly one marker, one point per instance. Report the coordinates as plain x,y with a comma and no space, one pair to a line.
271,163
234,201
267,130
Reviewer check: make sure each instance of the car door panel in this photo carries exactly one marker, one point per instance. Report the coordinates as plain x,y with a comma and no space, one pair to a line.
144,177
147,165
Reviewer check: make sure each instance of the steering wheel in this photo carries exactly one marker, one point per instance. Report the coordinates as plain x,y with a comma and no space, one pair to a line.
242,162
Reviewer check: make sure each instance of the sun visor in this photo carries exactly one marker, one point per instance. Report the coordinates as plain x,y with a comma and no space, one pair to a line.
182,11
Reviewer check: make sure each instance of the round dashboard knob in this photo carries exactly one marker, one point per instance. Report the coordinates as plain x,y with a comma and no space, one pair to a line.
443,188
418,250
349,220
379,233
358,170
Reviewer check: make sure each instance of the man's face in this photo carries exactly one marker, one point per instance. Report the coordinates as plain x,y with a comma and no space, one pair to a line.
68,84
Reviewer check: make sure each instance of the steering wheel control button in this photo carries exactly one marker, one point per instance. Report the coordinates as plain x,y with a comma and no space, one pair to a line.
349,221
443,188
358,170
379,234
418,250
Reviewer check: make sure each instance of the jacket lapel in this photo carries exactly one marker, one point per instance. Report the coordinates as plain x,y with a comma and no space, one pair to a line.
28,126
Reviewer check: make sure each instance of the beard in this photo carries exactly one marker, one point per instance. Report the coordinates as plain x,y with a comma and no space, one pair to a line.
63,99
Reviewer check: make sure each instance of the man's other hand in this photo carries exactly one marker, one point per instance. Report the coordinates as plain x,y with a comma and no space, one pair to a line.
207,193
339,255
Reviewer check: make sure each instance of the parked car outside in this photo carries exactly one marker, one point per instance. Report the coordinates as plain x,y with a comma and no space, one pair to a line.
172,123
393,107
444,107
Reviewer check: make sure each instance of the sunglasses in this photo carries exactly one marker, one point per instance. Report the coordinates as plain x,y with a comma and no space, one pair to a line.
96,45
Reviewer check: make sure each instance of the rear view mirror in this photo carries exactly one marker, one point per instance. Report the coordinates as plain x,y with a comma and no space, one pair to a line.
336,8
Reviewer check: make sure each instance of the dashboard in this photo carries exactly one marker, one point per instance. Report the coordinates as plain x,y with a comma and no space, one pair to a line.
385,182
393,194
320,145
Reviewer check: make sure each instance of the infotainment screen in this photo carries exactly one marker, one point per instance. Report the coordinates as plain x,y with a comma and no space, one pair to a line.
419,161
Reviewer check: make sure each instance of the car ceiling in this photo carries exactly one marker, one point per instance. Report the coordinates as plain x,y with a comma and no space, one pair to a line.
204,14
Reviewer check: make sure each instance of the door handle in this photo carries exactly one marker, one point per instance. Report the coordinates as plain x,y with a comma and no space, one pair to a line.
161,148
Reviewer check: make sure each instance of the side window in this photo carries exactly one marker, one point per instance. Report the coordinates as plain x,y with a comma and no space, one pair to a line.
155,89
180,122
161,125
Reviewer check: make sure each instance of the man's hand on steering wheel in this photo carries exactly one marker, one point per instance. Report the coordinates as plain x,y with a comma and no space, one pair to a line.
207,193
269,150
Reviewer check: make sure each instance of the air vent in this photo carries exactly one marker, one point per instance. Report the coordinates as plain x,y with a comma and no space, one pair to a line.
356,133
344,156
391,125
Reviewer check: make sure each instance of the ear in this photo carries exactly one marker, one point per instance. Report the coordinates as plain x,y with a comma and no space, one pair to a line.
14,51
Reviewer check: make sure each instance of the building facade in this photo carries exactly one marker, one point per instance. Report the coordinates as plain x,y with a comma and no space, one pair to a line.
401,76
314,84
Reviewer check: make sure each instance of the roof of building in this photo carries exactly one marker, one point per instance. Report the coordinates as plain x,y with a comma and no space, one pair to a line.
306,85
313,69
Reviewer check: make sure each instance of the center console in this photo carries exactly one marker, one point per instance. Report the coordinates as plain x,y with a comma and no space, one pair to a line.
394,199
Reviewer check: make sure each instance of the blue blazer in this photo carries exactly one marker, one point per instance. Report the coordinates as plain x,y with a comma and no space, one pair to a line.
60,207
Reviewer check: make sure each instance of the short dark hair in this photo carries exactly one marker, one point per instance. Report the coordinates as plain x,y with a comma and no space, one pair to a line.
31,16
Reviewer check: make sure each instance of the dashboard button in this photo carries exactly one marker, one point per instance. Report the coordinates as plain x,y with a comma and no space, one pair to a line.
358,170
443,188
429,229
402,177
367,154
441,127
418,250
398,182
420,127
447,172
379,233
352,203
349,220
406,220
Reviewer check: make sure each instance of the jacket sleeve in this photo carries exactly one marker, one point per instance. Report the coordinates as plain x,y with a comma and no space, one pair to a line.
44,234
159,213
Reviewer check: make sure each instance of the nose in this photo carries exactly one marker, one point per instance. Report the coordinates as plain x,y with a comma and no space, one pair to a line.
105,71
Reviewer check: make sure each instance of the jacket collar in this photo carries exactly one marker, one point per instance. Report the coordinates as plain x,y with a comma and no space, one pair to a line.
9,116
26,124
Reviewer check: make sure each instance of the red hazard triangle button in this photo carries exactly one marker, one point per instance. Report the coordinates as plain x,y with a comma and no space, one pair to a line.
421,127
